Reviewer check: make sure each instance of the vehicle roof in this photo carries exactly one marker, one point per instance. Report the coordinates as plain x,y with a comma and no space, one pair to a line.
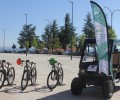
93,40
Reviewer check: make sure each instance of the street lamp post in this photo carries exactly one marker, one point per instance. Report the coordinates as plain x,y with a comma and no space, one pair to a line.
26,32
112,12
4,30
26,20
71,29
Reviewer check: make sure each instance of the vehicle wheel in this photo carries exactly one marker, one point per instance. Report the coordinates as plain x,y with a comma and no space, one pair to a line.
61,75
2,78
52,79
33,76
10,75
77,86
108,89
24,81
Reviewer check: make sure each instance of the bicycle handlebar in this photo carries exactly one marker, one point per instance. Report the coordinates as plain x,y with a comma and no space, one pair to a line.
28,61
4,61
3,64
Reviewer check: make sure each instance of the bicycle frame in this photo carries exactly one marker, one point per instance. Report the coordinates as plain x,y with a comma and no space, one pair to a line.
4,67
55,77
28,66
9,71
56,66
27,73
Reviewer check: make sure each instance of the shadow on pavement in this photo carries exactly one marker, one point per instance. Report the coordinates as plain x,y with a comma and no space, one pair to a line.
117,88
89,93
17,89
43,89
11,90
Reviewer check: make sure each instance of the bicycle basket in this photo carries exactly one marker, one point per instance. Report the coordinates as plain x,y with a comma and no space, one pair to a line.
52,61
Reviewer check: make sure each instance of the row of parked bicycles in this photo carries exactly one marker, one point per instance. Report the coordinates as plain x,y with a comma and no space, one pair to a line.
7,73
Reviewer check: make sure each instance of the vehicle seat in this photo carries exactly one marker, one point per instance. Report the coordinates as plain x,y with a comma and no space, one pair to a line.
116,59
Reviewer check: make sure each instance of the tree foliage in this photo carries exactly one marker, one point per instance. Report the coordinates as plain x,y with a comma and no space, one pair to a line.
13,46
88,28
27,36
111,33
54,35
21,46
80,41
66,32
46,37
50,36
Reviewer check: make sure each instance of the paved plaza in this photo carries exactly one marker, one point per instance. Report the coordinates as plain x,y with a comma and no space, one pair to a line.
40,90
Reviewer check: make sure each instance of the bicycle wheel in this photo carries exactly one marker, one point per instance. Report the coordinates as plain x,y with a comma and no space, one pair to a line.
61,75
2,78
52,79
33,76
10,75
24,81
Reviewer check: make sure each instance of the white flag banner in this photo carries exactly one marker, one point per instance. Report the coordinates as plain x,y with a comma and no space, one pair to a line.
101,37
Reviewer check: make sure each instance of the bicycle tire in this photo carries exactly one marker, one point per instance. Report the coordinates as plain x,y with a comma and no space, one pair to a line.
33,76
10,75
53,75
2,78
24,77
61,76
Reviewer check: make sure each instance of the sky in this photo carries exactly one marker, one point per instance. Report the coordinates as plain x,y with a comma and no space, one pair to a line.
12,15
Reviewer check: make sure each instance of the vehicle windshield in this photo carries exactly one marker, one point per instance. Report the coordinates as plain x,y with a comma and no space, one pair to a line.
90,54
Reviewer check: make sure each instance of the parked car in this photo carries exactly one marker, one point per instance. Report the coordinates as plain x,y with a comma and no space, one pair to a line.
67,52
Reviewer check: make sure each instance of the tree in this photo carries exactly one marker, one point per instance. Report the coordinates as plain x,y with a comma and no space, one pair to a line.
35,42
26,36
88,28
62,36
46,37
80,41
74,35
111,33
54,34
50,36
65,33
41,45
21,46
38,45
56,43
13,46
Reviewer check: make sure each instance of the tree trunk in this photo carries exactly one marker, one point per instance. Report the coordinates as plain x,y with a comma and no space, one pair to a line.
26,51
64,46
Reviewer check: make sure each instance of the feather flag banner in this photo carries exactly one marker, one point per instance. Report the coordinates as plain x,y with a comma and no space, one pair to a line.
101,36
